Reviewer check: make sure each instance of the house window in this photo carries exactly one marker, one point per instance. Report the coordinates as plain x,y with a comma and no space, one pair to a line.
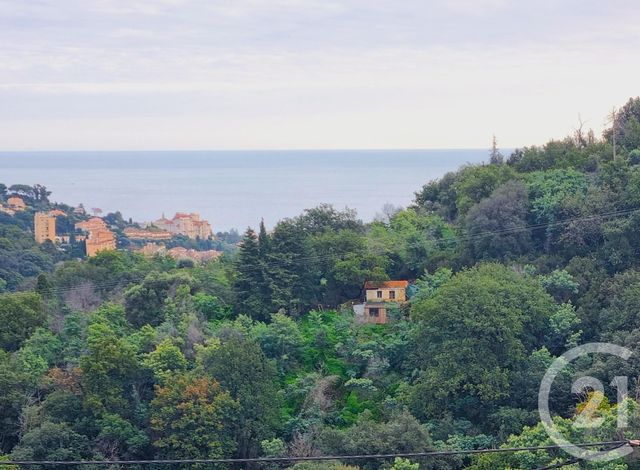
374,312
392,294
379,294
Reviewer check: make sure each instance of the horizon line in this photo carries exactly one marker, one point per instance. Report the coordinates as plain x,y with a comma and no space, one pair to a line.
327,149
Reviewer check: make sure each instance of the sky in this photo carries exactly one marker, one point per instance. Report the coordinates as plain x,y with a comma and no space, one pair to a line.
310,74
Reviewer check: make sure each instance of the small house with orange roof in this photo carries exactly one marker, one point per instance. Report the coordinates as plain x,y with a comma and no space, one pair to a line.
380,296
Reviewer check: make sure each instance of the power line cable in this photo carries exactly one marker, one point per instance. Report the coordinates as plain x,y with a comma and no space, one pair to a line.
575,460
435,453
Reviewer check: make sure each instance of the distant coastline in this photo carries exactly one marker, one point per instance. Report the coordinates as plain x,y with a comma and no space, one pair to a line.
233,189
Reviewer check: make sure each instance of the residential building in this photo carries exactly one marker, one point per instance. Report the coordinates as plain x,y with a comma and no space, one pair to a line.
100,240
133,233
189,225
380,297
44,227
99,237
7,210
93,224
16,203
178,253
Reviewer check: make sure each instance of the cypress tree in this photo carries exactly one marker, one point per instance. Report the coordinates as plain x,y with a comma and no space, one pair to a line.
250,286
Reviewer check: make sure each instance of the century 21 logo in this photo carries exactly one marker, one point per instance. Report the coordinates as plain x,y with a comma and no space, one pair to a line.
586,383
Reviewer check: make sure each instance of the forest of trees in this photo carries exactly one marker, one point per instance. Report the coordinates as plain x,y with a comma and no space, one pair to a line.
259,354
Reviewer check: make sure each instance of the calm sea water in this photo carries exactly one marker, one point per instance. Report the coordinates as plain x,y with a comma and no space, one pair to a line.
233,188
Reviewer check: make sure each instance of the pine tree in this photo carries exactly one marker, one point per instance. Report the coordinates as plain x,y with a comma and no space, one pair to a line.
264,240
250,286
495,157
284,266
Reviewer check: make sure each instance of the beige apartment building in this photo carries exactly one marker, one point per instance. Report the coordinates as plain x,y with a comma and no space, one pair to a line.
185,224
44,227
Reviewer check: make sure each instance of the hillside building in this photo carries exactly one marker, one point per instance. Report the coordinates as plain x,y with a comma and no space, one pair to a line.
133,233
16,203
44,227
189,225
6,210
178,252
380,297
99,237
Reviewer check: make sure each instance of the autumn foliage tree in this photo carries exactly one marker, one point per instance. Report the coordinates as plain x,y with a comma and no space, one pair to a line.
192,418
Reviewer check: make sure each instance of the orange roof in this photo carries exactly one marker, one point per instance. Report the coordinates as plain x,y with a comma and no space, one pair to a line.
385,284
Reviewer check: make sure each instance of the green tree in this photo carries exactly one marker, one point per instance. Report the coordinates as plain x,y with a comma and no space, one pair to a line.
193,418
165,361
280,340
626,125
473,335
53,441
477,182
118,439
400,433
13,396
621,306
495,157
538,436
20,314
548,191
144,302
108,371
40,194
251,288
404,464
286,269
211,307
497,226
240,366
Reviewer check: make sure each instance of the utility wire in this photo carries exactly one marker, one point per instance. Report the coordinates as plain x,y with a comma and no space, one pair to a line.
576,460
436,453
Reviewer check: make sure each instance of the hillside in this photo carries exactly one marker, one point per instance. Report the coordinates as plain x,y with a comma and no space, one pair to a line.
258,353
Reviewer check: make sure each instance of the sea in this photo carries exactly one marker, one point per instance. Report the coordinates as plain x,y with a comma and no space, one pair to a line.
233,189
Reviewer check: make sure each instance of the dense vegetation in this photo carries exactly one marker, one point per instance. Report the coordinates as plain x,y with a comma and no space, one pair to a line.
258,354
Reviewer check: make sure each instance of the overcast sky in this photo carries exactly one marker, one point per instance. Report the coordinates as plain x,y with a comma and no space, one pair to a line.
245,74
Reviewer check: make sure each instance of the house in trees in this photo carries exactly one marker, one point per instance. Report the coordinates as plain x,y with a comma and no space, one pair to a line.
380,297
16,203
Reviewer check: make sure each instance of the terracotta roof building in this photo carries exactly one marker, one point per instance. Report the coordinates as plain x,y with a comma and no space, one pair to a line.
99,237
380,296
189,225
140,234
16,203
